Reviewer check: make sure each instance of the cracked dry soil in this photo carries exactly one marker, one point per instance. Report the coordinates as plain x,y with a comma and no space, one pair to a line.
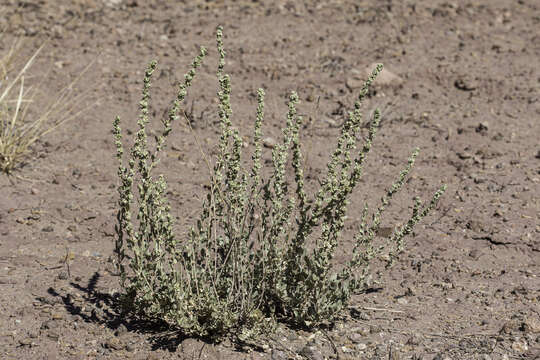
466,91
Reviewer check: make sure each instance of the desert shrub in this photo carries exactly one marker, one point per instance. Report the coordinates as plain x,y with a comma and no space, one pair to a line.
19,130
261,250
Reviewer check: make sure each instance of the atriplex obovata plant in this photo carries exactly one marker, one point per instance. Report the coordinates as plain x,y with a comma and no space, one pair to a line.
260,252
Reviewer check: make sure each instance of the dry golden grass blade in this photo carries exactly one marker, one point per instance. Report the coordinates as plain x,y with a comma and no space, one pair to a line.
17,132
29,63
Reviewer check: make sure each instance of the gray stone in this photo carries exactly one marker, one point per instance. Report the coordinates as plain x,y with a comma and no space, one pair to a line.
269,142
312,353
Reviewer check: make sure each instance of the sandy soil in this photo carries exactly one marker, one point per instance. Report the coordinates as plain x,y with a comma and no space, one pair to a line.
467,93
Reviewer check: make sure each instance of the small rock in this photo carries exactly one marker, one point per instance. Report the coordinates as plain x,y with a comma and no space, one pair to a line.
48,229
112,3
402,301
346,349
269,142
25,342
312,353
364,331
361,346
464,155
355,337
57,316
114,343
465,83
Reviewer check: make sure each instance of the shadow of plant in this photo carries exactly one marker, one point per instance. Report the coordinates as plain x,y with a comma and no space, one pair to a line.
105,309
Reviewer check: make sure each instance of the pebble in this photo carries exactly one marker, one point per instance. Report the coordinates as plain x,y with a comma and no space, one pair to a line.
57,316
331,122
402,301
269,142
364,331
356,337
361,346
25,342
112,3
346,349
114,343
465,83
311,352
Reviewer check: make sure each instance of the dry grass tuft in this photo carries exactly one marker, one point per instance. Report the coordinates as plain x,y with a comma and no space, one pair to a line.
19,130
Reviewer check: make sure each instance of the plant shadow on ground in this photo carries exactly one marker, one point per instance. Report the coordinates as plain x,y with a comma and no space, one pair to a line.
107,311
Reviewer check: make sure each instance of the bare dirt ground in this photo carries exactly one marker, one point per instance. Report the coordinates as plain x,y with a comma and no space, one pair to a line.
468,283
